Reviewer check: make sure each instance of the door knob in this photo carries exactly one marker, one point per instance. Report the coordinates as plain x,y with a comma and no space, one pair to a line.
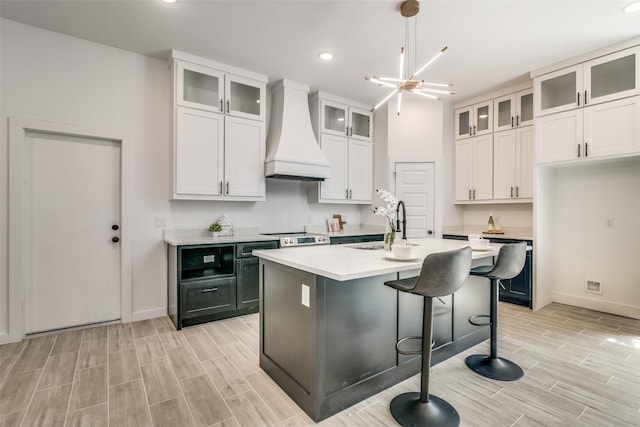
429,232
115,239
114,227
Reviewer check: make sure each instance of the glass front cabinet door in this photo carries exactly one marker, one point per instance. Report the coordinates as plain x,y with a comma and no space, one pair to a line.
514,110
360,124
244,97
199,87
612,77
474,120
334,118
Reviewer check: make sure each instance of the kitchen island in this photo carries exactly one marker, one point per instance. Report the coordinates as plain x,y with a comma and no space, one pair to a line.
328,325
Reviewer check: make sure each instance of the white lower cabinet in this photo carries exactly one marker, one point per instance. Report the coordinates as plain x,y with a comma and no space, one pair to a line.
603,130
513,153
351,170
474,169
218,157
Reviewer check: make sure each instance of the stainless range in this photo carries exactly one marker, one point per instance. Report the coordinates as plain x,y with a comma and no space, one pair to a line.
300,239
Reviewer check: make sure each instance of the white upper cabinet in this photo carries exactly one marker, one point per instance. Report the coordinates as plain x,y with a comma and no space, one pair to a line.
604,130
603,79
474,120
474,169
208,89
514,110
344,130
219,140
513,157
344,120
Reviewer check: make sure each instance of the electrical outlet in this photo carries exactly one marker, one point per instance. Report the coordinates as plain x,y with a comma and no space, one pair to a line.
160,221
608,222
593,287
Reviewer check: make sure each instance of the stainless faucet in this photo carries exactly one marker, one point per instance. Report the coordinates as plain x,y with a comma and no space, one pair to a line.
404,219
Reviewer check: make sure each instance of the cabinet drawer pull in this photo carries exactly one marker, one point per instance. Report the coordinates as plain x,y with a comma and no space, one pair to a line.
204,291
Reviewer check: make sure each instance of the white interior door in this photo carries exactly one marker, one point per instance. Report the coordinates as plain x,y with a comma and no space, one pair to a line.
71,205
415,186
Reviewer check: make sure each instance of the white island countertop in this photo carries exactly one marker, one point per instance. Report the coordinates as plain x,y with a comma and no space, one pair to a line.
347,262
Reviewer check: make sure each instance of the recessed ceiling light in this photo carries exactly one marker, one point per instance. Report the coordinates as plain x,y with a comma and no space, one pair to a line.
632,7
169,1
326,56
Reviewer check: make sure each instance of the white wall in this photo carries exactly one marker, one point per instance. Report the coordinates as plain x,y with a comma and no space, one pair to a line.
49,76
577,200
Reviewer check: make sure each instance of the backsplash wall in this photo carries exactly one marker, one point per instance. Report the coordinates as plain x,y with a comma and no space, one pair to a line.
506,215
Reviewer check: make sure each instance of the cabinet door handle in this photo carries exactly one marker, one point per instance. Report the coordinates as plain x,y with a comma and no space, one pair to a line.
221,105
227,187
474,130
221,188
346,193
578,99
351,194
511,121
470,131
517,119
469,194
346,131
586,149
474,194
204,291
585,99
228,106
350,130
517,191
578,150
511,191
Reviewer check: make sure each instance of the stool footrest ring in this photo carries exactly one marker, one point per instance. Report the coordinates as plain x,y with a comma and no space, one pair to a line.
406,352
473,318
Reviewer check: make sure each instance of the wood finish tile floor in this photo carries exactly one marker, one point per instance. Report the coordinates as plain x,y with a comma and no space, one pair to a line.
582,368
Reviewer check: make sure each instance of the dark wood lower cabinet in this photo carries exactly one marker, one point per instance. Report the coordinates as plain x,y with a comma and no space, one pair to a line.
212,282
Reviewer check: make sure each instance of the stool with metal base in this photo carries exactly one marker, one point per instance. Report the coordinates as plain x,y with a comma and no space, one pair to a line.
442,274
509,264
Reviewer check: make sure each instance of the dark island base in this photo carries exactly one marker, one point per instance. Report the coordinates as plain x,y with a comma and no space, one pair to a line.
340,348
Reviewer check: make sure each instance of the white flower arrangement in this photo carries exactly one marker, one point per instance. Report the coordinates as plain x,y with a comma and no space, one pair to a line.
390,210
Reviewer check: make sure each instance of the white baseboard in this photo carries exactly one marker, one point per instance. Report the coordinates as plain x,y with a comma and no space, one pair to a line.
4,338
598,305
148,314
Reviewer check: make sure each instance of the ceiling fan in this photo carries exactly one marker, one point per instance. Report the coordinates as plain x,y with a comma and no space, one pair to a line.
406,82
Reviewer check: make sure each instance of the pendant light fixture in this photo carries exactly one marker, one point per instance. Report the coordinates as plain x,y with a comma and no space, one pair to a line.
409,82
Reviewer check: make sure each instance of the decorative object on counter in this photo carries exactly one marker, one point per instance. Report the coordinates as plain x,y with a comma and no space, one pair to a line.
389,212
341,223
215,229
492,227
405,81
333,225
226,224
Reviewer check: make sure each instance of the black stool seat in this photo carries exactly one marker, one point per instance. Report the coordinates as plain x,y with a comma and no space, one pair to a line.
509,264
442,274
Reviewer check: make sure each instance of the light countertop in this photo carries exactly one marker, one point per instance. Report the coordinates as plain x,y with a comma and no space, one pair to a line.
347,232
346,262
517,233
203,237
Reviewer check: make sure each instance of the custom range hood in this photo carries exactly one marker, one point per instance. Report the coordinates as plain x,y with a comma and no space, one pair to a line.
292,150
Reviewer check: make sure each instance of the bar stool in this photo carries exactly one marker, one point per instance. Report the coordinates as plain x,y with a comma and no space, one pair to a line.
442,274
509,264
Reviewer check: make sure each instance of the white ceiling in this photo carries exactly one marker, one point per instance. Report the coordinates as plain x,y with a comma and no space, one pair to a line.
489,42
